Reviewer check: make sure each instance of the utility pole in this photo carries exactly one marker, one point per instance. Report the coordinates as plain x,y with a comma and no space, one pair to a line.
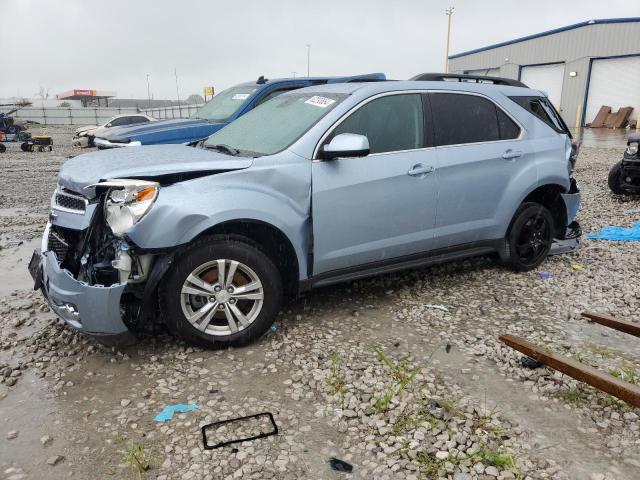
293,74
308,59
148,93
175,72
449,14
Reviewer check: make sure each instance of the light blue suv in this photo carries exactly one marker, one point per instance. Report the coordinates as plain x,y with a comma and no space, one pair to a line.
316,186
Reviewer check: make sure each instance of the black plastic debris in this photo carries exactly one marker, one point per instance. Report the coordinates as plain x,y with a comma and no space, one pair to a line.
340,465
531,363
214,425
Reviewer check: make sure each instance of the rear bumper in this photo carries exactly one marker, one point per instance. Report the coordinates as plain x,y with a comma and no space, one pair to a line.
93,310
102,143
572,201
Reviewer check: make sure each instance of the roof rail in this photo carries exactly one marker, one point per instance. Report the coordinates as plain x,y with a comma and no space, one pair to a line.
456,77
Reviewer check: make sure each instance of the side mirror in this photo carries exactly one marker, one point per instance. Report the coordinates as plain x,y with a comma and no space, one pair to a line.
346,145
108,125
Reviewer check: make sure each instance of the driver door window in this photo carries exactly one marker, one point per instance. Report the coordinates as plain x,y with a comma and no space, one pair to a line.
392,123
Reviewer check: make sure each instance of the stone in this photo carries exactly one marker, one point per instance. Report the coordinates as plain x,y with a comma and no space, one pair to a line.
55,460
493,471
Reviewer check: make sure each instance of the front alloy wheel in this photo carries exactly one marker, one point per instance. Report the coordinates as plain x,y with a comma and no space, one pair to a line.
221,291
222,297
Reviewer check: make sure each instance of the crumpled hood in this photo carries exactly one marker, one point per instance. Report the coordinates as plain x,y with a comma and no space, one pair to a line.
151,127
150,162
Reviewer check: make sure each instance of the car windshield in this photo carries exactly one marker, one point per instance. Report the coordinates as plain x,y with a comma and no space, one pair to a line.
225,104
275,124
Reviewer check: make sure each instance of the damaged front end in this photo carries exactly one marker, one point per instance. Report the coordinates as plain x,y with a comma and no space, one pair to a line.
92,275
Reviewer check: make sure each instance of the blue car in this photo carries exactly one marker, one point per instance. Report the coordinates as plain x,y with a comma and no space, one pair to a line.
322,185
225,107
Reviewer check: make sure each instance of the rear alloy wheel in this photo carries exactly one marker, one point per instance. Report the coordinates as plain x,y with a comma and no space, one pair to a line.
530,237
220,293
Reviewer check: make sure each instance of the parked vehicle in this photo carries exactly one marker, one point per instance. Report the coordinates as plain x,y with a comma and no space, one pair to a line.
624,176
223,109
316,186
37,143
10,125
84,135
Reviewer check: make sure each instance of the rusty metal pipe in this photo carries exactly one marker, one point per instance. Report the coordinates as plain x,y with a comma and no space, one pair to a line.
584,373
620,325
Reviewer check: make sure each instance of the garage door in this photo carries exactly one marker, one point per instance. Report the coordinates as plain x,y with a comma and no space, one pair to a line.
614,82
547,78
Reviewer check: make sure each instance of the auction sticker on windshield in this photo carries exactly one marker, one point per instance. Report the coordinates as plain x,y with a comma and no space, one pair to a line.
240,96
322,102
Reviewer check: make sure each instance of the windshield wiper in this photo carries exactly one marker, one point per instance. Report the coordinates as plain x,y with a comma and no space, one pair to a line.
221,147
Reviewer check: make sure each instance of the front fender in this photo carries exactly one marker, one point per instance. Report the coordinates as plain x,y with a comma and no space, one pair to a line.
185,210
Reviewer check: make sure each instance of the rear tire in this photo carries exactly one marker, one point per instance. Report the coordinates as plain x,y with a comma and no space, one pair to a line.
615,179
211,313
529,238
2,148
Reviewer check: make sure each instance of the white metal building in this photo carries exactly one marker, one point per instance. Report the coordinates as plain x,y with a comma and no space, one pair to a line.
581,67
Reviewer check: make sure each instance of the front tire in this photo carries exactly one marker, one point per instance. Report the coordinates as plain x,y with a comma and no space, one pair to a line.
221,292
530,237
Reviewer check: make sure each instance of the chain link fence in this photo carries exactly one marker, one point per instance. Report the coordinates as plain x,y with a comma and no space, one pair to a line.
95,115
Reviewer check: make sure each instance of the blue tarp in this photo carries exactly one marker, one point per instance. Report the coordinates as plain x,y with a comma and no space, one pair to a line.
618,233
168,411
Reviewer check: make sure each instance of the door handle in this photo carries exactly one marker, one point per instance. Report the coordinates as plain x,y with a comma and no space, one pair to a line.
511,154
419,170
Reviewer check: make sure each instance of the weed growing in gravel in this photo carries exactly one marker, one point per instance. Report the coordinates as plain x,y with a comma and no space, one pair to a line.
401,373
431,467
580,395
138,458
600,350
501,460
626,373
336,381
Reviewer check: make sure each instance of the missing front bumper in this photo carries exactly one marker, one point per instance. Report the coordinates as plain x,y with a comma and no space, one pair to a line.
90,309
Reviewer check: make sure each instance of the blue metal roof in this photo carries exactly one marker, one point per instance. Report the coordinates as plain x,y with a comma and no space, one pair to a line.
548,32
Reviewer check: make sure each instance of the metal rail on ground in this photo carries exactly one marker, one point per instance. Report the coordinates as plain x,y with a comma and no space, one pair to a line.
584,373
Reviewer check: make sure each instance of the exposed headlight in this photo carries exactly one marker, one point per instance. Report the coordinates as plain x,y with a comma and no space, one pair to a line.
632,149
127,202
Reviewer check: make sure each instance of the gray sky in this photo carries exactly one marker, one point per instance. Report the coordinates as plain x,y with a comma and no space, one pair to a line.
113,44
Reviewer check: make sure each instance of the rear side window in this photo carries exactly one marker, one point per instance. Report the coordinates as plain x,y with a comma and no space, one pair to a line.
391,123
508,128
460,119
542,108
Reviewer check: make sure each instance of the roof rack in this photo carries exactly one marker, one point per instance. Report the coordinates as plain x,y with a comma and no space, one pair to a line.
455,77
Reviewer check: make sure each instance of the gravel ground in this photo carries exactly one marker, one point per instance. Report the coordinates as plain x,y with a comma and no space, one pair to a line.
369,372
